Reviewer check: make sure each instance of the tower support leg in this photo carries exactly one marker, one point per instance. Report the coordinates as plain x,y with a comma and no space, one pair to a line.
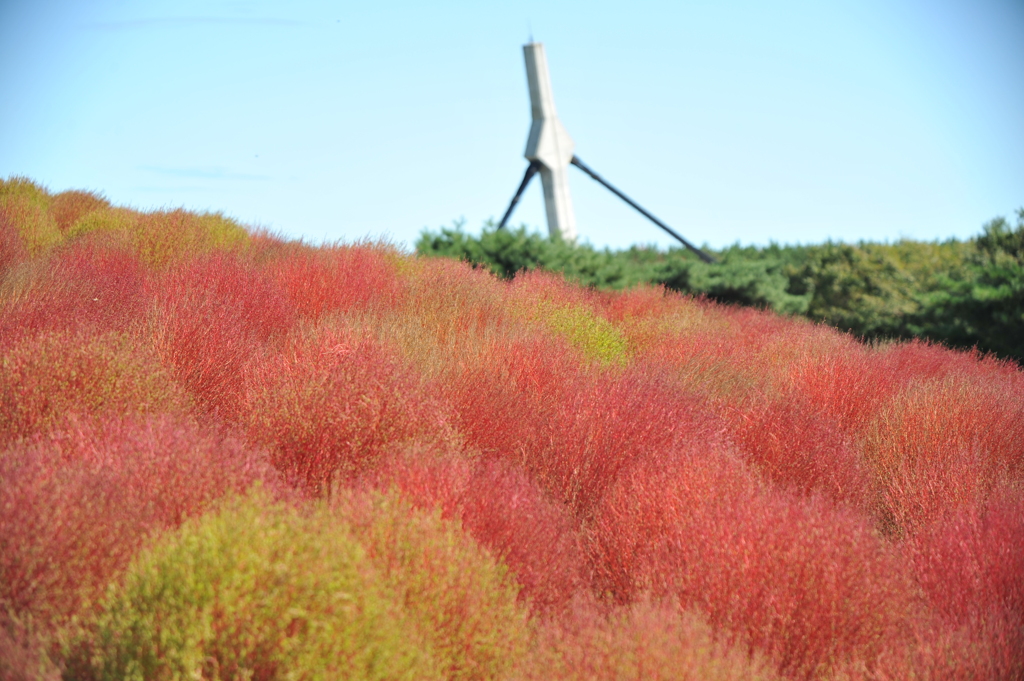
558,203
531,170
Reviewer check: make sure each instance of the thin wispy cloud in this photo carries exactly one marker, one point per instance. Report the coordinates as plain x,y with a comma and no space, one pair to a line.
174,190
188,22
207,173
871,122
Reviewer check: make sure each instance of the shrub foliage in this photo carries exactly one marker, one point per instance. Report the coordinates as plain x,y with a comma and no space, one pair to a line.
965,294
224,455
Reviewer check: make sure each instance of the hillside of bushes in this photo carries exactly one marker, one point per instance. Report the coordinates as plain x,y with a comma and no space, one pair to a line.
228,456
964,294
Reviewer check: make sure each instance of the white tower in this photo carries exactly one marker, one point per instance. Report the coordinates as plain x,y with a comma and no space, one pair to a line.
549,144
550,151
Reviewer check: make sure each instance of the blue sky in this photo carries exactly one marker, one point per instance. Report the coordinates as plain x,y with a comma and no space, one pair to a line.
786,121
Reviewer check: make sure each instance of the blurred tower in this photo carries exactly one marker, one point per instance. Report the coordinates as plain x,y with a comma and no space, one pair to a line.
549,144
550,152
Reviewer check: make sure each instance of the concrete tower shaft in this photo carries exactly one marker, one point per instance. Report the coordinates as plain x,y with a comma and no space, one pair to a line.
549,144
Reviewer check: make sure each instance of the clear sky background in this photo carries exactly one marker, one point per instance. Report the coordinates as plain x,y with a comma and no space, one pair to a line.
782,121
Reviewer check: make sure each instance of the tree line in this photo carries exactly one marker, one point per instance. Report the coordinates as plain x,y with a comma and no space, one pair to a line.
964,294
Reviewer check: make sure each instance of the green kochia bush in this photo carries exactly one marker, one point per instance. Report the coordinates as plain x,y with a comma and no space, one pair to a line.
26,206
253,591
462,602
259,590
594,336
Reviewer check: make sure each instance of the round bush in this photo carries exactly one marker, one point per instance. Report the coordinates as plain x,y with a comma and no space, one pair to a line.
363,588
255,591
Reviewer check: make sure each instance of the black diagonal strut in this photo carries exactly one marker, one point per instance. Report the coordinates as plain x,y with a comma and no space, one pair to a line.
582,166
531,170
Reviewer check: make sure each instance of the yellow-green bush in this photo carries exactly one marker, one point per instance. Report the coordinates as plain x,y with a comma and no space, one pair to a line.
163,237
594,336
118,221
159,237
365,588
69,207
458,596
252,591
27,206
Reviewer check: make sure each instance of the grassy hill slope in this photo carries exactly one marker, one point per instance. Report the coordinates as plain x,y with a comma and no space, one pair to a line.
223,455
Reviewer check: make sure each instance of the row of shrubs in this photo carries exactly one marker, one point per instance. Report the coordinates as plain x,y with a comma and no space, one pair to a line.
224,455
962,293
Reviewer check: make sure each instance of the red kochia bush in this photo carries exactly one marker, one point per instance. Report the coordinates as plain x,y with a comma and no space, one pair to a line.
533,286
794,446
215,315
508,400
973,564
23,654
46,377
87,286
971,568
573,427
331,403
610,422
68,207
847,386
642,302
338,279
944,445
76,506
921,360
426,478
851,384
646,640
504,510
806,583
